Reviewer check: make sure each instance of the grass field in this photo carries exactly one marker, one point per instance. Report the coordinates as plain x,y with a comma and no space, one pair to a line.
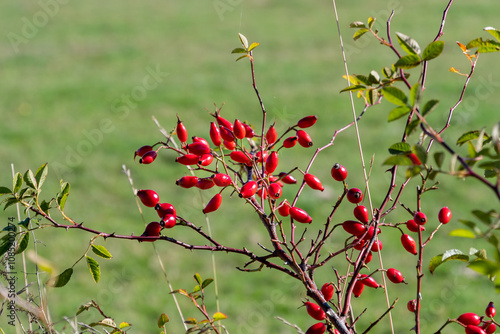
81,81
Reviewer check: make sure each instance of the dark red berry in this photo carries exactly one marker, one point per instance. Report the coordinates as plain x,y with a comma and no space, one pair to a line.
188,159
205,183
148,197
369,234
168,221
313,182
188,181
198,148
259,155
163,209
420,218
272,162
369,258
239,129
307,121
409,244
413,227
241,157
353,227
230,145
327,290
354,195
361,214
304,138
317,328
223,122
275,190
469,319
444,215
222,180
412,305
262,192
284,209
227,134
143,150
152,230
489,327
395,276
148,158
300,215
490,310
359,243
290,142
249,132
287,178
339,172
315,311
271,135
249,189
414,159
472,329
358,289
215,134
377,246
369,281
181,131
213,204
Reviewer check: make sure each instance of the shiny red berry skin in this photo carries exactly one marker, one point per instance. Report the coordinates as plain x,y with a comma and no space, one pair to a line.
168,221
469,319
284,209
444,215
215,134
359,244
230,145
412,305
213,204
361,214
290,142
490,310
489,327
368,258
142,150
188,159
339,172
227,134
200,140
287,178
300,215
409,244
420,218
472,329
238,129
262,192
249,132
369,281
369,234
313,182
327,290
148,197
272,162
188,181
148,158
259,155
307,121
222,180
395,276
152,230
205,183
271,135
181,131
413,227
223,122
354,195
163,209
198,148
249,189
353,227
206,159
304,139
318,328
414,159
241,157
275,190
315,311
358,289
377,246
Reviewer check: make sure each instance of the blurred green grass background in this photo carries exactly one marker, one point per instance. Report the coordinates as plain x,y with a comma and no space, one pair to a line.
63,102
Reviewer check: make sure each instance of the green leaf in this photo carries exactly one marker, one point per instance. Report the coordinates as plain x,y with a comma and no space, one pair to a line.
9,202
490,165
374,78
4,191
484,267
462,233
124,324
452,254
353,88
245,56
387,72
485,217
196,288
429,106
181,292
484,46
45,206
357,35
197,278
23,243
24,223
60,280
17,182
371,21
162,320
239,50
408,61
357,24
253,46
95,271
398,112
101,251
470,135
206,282
480,254
399,148
413,171
415,95
6,243
494,32
219,316
41,174
30,180
191,321
372,95
63,195
243,40
399,160
439,158
433,50
412,126
408,44
395,96
488,173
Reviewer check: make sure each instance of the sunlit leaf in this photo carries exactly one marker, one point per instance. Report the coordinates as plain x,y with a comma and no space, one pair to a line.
395,96
357,35
357,24
437,260
244,56
480,254
399,148
95,271
433,50
60,280
484,46
191,321
400,160
462,233
101,251
494,32
219,316
239,50
408,44
353,88
462,47
30,180
23,243
398,112
408,61
17,182
470,135
41,174
253,46
243,40
63,195
124,324
197,278
371,21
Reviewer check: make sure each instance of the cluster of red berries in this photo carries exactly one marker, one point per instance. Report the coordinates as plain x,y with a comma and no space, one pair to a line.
474,324
165,211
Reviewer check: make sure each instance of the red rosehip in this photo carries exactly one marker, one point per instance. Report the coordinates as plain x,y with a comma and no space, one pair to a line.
275,190
241,157
490,310
188,159
313,182
188,181
152,230
472,329
284,209
181,131
148,197
258,156
469,319
413,227
300,215
444,215
412,305
249,132
409,244
271,135
395,276
206,159
213,204
368,258
223,122
420,218
354,195
361,214
377,246
142,150
249,189
371,231
227,134
198,148
353,227
262,192
215,134
304,139
327,290
272,162
205,183
339,172
230,145
359,243
489,327
318,328
369,281
163,209
148,158
221,180
287,178
238,129
315,311
307,121
358,289
414,159
201,140
290,142
168,221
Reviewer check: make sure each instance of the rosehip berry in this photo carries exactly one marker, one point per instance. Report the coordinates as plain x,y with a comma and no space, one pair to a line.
206,159
368,258
148,197
227,134
152,230
168,221
371,231
287,178
272,162
213,204
230,145
284,209
222,180
354,195
249,132
413,227
249,189
188,181
142,150
471,329
271,135
444,215
412,305
238,129
262,192
181,131
469,319
359,243
307,121
361,214
318,328
290,142
258,156
215,134
223,122
241,157
313,182
395,276
148,158
300,215
275,191
414,159
163,209
198,148
205,183
358,289
409,244
420,218
490,310
368,281
339,172
200,140
304,139
327,290
377,246
315,311
353,227
489,327
188,159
